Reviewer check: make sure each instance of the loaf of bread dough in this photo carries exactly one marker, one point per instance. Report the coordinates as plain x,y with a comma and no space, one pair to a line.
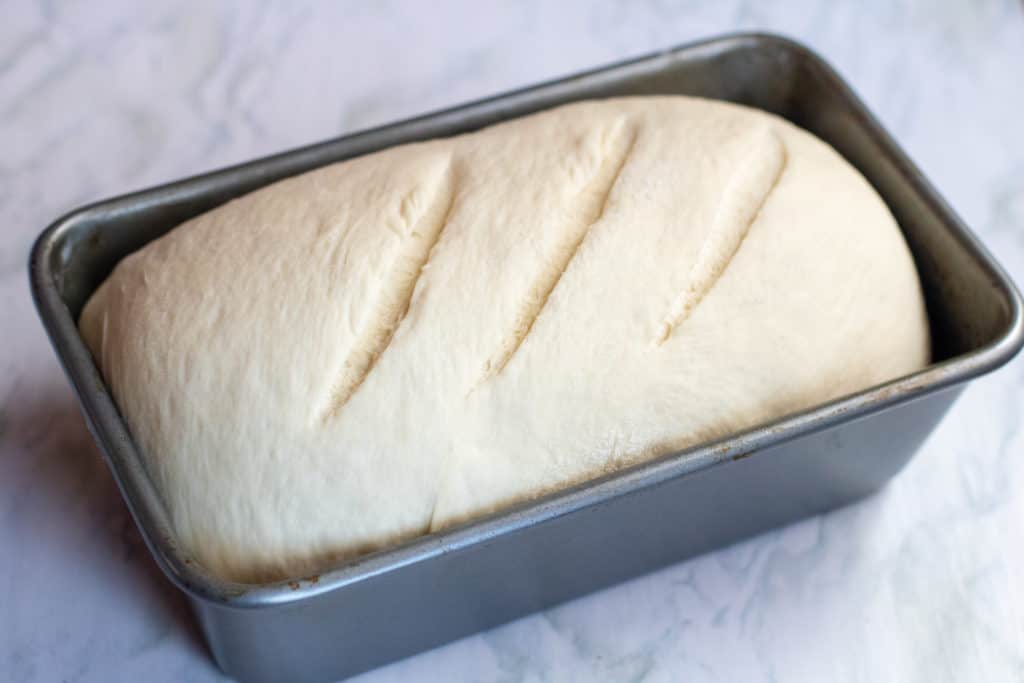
397,343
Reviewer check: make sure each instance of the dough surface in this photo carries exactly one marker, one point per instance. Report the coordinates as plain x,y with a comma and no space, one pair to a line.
400,342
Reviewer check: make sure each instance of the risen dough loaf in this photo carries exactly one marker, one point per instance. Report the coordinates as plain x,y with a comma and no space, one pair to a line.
396,343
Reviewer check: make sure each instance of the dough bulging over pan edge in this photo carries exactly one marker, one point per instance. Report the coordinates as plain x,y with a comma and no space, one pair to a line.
400,342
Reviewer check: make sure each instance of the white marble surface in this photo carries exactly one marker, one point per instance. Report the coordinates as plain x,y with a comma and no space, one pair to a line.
920,583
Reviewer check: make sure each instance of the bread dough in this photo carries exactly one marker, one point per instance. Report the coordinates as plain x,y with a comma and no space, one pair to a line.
394,344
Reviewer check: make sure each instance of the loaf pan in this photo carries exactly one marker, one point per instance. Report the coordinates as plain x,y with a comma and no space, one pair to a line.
391,604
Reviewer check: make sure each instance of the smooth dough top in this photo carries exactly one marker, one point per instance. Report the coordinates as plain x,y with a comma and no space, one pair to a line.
396,343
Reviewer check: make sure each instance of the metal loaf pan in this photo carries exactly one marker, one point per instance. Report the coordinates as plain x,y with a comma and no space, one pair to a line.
434,589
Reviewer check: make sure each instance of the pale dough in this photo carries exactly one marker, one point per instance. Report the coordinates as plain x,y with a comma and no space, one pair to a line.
400,342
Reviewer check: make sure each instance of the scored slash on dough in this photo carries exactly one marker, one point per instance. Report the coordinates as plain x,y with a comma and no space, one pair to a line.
393,301
744,195
590,207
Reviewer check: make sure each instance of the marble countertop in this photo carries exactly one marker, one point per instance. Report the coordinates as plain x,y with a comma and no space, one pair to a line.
922,582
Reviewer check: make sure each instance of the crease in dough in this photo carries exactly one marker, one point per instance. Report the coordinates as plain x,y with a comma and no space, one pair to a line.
744,195
425,212
587,209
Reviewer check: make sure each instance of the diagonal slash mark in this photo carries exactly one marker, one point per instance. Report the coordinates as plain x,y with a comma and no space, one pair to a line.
395,295
745,194
591,207
593,200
